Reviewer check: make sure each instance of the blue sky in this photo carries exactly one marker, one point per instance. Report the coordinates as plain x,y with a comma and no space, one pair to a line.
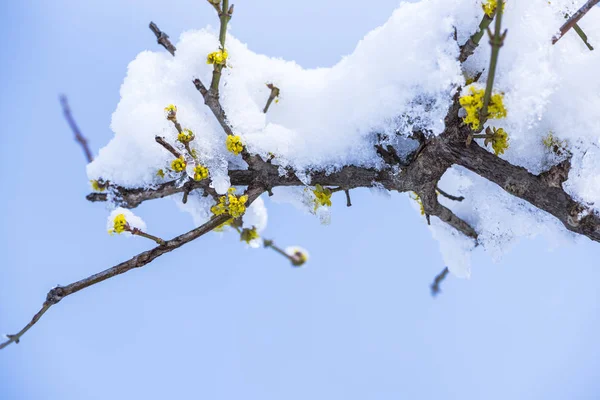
216,320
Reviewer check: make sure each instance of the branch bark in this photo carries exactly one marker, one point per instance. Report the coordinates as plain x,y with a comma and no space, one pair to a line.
571,22
58,293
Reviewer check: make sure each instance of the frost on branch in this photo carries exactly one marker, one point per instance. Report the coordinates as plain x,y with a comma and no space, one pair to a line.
399,82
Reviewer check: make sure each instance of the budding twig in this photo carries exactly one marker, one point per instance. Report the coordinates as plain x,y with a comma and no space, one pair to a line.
224,16
166,145
496,40
60,292
469,47
274,94
79,138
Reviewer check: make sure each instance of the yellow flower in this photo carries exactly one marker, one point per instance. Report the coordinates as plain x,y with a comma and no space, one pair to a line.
200,172
234,144
160,173
218,57
489,7
553,144
249,235
98,186
322,196
170,111
499,141
496,107
417,198
178,164
120,224
230,204
473,103
298,256
185,136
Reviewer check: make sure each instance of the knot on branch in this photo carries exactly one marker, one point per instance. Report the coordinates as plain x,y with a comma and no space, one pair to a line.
55,295
557,175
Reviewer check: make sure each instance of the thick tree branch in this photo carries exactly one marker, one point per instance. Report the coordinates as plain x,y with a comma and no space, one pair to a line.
543,191
79,138
58,293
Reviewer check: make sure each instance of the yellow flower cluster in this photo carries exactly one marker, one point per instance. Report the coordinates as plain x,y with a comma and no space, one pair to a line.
322,196
553,144
218,57
185,136
234,144
298,256
230,204
417,198
178,164
489,7
97,186
473,103
119,224
249,235
200,172
499,141
171,111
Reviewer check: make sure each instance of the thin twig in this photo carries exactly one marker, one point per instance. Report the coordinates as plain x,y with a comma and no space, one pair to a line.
348,202
467,49
160,140
435,286
58,293
78,136
449,196
496,40
583,36
272,96
163,39
224,18
575,19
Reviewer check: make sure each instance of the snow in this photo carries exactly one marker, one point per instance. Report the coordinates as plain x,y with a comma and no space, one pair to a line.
133,220
400,76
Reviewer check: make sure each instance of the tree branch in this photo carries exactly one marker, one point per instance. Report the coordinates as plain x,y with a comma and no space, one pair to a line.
575,19
437,281
58,293
449,196
433,207
543,191
163,39
79,138
467,49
